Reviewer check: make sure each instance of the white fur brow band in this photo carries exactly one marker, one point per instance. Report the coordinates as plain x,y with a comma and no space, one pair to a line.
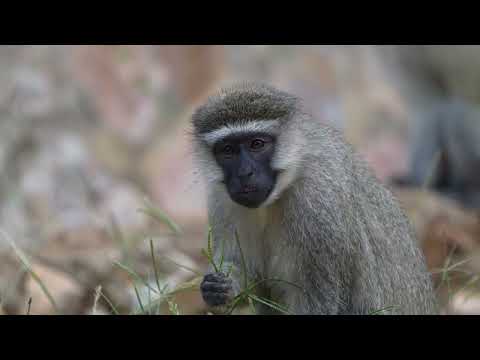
255,126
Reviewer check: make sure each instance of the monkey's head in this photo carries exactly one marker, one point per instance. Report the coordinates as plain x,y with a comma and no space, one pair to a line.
249,137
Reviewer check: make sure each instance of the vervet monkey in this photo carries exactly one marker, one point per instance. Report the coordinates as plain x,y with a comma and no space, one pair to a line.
307,211
445,153
440,85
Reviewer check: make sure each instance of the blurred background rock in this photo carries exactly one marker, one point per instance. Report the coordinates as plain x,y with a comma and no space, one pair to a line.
88,132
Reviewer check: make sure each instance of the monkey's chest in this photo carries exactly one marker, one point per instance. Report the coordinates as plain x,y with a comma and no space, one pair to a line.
269,259
268,254
277,271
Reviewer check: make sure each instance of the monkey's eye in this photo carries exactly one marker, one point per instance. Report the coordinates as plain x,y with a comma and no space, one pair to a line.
227,150
257,144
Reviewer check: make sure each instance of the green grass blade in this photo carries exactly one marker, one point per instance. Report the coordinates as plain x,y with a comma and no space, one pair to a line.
242,296
230,269
26,264
149,308
110,304
211,261
153,303
270,304
381,311
222,255
259,282
96,297
160,217
173,308
117,235
134,275
155,270
208,253
138,298
210,242
193,284
29,305
245,293
182,266
251,305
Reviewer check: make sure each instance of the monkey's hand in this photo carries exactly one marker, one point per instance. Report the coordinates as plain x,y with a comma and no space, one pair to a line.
217,290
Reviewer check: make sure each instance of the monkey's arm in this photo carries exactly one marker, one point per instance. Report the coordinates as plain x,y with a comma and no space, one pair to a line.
321,241
323,288
322,280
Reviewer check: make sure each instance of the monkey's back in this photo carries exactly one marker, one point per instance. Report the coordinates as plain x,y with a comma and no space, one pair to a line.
354,218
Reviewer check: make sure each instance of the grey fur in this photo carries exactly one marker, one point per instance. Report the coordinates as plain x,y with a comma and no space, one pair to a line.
333,229
243,102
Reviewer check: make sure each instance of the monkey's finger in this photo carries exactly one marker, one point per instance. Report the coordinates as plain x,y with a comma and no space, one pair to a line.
216,287
217,277
215,299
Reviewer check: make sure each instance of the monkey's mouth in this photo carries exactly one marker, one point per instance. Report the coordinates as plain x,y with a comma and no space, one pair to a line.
248,189
250,196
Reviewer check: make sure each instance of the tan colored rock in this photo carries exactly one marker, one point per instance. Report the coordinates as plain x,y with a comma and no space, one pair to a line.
465,304
386,155
101,311
434,215
449,236
176,189
189,303
110,73
12,280
204,63
123,203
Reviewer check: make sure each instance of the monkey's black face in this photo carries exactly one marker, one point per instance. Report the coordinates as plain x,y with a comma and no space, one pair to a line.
246,163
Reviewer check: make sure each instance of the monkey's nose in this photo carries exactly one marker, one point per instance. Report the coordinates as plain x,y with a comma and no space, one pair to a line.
245,174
